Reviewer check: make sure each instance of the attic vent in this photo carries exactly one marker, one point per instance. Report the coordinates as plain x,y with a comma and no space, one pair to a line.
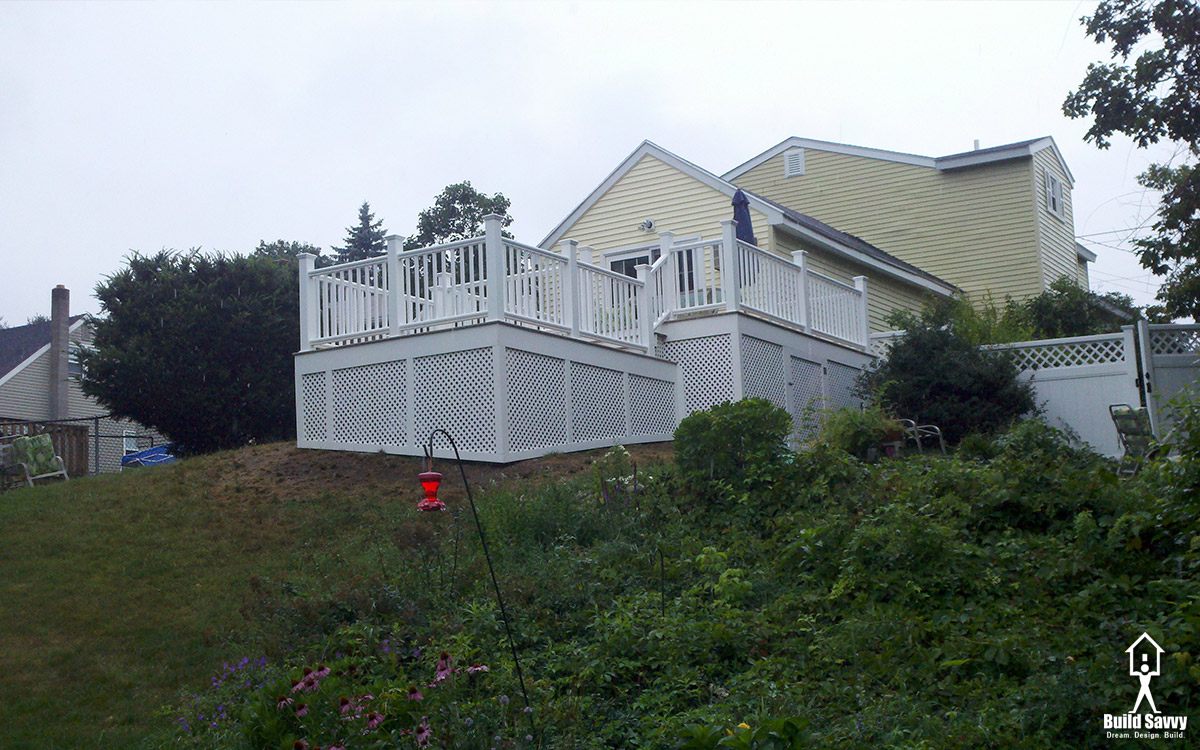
793,162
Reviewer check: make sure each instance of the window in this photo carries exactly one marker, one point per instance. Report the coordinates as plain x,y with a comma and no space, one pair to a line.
74,361
1054,196
628,266
793,162
130,441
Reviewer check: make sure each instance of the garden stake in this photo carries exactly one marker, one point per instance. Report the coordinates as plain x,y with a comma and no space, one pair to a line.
662,583
487,556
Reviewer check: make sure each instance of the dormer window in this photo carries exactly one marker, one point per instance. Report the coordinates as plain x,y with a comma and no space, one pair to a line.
1054,196
793,162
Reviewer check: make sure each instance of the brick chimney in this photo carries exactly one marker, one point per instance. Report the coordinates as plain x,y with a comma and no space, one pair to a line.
60,350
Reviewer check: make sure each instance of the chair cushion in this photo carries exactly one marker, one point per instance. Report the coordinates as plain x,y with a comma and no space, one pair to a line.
36,452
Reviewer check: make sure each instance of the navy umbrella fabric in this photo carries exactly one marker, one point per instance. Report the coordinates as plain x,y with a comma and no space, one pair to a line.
741,214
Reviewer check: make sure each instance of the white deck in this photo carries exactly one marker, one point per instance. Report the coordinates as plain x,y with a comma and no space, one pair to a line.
558,355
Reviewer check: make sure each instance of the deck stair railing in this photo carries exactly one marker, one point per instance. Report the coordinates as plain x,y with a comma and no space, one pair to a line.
453,285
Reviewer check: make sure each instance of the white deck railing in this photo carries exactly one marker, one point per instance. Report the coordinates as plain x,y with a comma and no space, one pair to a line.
455,284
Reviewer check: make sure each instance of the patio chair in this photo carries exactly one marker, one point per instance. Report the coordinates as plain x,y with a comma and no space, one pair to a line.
1137,439
915,432
35,457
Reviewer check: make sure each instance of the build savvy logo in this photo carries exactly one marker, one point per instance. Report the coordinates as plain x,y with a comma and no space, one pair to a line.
1145,663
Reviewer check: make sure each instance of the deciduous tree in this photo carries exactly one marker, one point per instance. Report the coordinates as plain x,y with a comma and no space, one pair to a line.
457,214
1155,98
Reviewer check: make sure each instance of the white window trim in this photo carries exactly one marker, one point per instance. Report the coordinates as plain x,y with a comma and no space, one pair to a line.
1050,181
793,162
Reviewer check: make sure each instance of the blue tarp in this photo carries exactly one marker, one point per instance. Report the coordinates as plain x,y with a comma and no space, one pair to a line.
150,457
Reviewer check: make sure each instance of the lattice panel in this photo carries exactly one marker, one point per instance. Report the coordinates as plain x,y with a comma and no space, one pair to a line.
368,404
706,367
537,400
807,397
455,392
1183,341
763,371
597,395
1101,352
841,380
312,394
652,405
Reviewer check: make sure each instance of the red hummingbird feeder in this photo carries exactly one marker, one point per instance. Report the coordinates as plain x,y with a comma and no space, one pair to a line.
429,482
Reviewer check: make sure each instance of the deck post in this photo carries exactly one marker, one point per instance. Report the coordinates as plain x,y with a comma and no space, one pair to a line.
308,303
666,243
731,271
394,285
496,266
645,324
800,258
860,283
570,249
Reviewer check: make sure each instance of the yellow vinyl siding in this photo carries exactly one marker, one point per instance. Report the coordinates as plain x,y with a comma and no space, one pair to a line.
885,294
1059,257
973,227
652,189
1081,274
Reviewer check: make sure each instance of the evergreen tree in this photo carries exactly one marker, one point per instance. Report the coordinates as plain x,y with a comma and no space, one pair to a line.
365,239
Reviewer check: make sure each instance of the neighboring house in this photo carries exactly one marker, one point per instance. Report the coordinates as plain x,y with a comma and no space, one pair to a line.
990,221
40,372
654,190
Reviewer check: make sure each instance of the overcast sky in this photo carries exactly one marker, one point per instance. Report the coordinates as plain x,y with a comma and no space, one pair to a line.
141,126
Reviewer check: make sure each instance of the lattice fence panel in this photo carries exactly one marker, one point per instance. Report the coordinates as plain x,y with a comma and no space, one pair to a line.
368,404
1068,354
455,392
706,367
597,395
841,380
312,393
1180,341
763,372
537,400
652,405
807,397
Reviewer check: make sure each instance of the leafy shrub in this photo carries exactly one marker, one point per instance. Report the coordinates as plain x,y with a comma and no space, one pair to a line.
720,444
934,375
857,431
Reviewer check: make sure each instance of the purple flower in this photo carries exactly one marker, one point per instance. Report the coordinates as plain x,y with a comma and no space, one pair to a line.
504,700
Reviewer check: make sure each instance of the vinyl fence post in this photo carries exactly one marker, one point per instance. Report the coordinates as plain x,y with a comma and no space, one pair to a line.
308,310
800,258
645,324
393,285
864,315
496,266
731,272
570,249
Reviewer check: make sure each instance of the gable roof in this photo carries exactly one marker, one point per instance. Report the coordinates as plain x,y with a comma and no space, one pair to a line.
838,242
942,163
20,345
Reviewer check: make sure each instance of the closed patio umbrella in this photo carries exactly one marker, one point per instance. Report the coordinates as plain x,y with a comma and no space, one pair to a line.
741,214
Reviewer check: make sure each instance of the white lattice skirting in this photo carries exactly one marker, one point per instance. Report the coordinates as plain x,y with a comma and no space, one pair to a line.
505,393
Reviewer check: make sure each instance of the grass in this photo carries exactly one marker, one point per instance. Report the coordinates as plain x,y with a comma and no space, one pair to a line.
119,591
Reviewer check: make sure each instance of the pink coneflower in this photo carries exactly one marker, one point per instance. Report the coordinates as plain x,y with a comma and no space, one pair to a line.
477,667
443,668
344,705
424,732
374,720
282,701
301,709
296,686
414,694
307,671
322,671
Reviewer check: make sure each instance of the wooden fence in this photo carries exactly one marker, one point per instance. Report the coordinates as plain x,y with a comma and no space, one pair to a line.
70,440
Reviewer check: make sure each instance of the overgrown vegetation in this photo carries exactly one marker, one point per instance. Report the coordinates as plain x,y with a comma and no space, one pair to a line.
935,374
812,601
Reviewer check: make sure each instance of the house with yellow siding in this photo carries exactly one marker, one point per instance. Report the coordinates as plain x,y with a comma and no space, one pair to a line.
992,221
654,191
